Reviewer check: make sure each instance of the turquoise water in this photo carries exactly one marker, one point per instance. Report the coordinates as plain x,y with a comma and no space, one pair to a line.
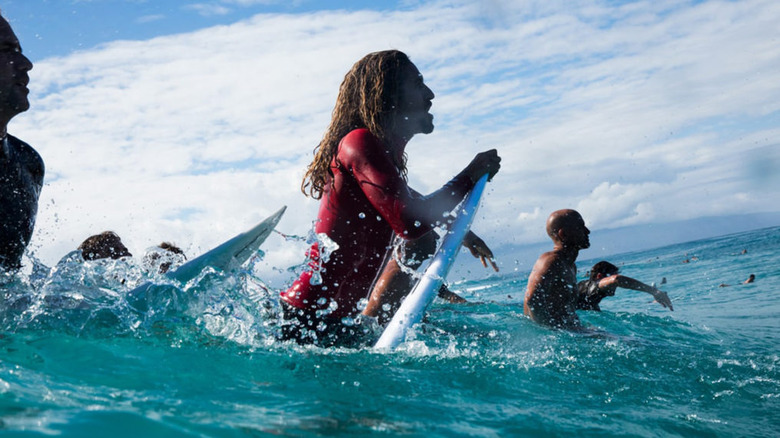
76,359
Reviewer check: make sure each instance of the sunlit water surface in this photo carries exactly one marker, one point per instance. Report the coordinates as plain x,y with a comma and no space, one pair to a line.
77,358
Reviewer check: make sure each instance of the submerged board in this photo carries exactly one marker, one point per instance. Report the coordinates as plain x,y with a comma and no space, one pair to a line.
231,254
414,305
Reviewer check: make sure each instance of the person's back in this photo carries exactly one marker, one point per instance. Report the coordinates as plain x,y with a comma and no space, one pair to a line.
551,292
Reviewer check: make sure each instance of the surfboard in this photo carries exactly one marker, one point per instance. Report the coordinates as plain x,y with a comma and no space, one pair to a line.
413,307
233,253
229,255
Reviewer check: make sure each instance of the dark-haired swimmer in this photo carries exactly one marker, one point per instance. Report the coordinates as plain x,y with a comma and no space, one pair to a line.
106,245
604,281
163,257
751,278
359,175
21,168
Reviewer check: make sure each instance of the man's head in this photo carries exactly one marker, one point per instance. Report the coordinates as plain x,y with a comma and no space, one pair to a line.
603,269
13,75
385,93
106,245
567,228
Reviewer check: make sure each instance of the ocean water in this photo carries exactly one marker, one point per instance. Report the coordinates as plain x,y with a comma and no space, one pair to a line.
199,360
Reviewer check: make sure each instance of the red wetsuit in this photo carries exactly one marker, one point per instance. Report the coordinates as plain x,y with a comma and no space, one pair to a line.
368,201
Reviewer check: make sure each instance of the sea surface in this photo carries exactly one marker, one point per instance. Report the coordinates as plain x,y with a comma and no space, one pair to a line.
78,359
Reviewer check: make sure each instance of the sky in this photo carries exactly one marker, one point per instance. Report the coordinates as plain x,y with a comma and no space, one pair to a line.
191,121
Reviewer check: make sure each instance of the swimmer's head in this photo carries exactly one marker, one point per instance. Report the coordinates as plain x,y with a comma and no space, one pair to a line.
567,228
162,257
106,245
603,269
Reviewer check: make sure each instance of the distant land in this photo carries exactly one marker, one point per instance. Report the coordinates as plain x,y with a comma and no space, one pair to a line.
605,243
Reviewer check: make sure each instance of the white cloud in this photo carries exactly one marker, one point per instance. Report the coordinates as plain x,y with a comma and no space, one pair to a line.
150,18
633,114
209,9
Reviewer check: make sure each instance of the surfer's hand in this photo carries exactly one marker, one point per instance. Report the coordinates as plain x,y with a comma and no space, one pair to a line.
485,162
479,250
663,299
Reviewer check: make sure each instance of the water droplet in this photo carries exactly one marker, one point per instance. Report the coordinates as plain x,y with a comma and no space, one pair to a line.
362,215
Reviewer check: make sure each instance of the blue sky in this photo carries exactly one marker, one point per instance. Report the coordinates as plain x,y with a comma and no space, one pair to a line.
58,27
192,120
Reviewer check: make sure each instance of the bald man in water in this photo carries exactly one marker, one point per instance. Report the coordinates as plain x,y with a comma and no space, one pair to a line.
21,168
551,295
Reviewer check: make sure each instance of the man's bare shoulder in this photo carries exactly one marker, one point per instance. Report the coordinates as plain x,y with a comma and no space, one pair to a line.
551,260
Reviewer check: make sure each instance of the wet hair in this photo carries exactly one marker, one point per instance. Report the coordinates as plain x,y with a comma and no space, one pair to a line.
103,246
165,258
172,248
367,98
604,268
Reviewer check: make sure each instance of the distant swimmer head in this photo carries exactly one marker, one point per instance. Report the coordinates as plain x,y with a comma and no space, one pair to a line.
750,279
106,245
603,269
162,257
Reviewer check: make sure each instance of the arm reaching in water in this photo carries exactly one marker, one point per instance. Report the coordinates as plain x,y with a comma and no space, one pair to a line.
629,283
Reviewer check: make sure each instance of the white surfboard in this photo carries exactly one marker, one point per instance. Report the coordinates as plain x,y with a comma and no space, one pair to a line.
232,253
413,307
229,255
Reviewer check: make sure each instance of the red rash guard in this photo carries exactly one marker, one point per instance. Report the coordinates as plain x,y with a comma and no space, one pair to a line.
368,201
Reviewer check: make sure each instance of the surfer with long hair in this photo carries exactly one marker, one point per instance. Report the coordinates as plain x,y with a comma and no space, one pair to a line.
359,175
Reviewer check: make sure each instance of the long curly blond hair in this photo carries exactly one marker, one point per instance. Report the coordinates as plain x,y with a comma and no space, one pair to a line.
367,99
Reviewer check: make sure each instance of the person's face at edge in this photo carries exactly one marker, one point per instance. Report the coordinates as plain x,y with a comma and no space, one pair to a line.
13,73
414,102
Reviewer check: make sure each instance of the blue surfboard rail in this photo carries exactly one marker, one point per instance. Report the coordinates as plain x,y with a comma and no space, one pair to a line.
414,305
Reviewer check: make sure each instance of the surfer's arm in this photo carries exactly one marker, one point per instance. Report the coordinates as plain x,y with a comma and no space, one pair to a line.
409,214
479,249
629,283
